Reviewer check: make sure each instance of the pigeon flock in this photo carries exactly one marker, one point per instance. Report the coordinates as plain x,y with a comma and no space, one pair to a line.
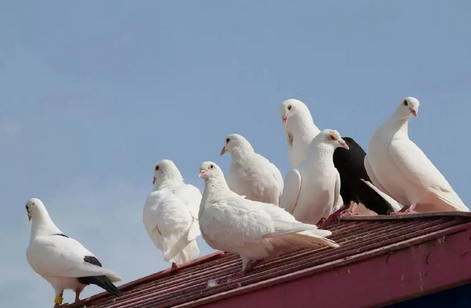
255,212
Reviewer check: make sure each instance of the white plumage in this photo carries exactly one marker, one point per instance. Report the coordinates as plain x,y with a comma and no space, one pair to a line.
251,174
170,214
401,169
312,189
63,261
299,129
255,230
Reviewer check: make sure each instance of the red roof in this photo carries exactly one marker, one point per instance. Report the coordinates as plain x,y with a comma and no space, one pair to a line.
382,260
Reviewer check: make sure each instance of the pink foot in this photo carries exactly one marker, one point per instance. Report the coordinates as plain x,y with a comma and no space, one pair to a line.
333,218
348,213
399,213
352,211
408,209
323,221
175,266
343,211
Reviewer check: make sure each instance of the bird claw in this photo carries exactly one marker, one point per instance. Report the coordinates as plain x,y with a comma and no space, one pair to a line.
174,266
322,222
408,209
348,213
333,218
250,266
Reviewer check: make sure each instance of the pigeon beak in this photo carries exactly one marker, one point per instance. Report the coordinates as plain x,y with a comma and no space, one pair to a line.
285,120
29,217
223,150
202,172
414,112
343,144
153,181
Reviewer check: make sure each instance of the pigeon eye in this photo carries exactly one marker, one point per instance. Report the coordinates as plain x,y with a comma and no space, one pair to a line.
405,102
289,107
227,140
211,167
157,168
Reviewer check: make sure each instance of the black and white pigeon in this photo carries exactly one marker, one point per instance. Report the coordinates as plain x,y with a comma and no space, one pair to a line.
62,261
356,187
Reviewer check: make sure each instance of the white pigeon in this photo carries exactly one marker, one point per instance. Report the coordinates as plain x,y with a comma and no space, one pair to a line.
61,260
299,129
312,188
397,166
251,174
254,230
170,214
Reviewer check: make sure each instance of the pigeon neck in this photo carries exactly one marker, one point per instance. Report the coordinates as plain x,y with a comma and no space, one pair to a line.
167,182
241,151
320,152
399,125
305,127
42,224
215,190
219,185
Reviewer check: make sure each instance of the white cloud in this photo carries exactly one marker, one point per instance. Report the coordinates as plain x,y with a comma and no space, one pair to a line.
107,219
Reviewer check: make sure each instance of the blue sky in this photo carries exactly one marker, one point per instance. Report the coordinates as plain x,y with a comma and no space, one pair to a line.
95,93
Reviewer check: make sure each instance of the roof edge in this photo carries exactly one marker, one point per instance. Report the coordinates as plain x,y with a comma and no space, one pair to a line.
411,216
389,249
167,272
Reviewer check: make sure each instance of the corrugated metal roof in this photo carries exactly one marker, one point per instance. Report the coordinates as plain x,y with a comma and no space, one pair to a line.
359,237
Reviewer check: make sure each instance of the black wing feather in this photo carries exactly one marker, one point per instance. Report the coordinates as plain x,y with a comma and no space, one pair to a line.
101,281
351,167
61,234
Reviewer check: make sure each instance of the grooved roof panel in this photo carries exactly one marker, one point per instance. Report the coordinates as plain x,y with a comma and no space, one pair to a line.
211,278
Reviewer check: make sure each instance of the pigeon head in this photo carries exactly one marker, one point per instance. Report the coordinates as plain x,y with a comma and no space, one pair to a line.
166,169
409,106
333,138
292,108
33,207
209,170
235,141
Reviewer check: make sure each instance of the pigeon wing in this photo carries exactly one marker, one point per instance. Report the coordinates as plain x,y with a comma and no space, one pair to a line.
292,187
415,165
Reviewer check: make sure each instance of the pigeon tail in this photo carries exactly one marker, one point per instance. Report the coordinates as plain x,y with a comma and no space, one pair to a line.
285,228
103,282
175,248
311,239
393,203
190,252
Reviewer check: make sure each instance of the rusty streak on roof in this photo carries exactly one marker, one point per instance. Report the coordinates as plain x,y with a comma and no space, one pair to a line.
369,246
